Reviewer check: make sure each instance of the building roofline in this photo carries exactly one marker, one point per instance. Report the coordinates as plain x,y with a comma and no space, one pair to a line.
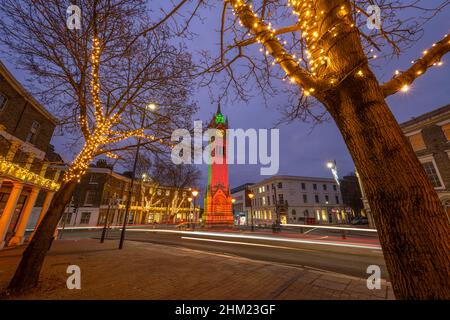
431,116
291,177
30,99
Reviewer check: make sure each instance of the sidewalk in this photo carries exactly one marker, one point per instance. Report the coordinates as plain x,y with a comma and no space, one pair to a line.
149,271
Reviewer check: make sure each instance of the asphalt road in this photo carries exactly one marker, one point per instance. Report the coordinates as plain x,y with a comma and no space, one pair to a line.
321,250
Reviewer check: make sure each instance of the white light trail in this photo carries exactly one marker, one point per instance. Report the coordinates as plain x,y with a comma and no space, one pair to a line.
246,243
257,237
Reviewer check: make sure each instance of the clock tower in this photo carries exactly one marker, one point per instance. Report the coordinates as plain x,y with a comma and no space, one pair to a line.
218,205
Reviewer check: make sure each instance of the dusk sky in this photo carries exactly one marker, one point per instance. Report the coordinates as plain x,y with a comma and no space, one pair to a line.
303,149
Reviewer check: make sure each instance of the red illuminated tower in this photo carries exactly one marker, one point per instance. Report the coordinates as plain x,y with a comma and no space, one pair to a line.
218,210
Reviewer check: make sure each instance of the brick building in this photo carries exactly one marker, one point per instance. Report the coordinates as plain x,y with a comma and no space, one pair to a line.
103,193
26,171
429,135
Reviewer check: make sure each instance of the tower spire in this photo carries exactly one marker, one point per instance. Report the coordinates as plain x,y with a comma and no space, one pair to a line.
218,108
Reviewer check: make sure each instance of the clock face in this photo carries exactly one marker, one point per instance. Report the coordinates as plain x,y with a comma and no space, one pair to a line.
220,132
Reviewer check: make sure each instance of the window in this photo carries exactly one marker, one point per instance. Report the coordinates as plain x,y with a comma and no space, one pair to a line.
32,134
432,174
280,198
3,101
67,217
324,186
280,185
90,197
316,197
417,142
303,186
445,129
327,198
314,186
305,198
85,217
93,179
337,199
263,201
293,212
334,187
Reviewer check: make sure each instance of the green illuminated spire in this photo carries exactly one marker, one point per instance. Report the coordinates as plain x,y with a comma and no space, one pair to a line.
219,116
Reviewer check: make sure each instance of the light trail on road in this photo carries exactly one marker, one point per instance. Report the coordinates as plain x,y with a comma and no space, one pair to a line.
255,237
246,243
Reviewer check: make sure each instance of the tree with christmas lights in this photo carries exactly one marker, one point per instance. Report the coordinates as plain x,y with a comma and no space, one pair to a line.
108,83
326,49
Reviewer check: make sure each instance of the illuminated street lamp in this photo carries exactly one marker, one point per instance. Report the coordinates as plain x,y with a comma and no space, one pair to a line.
194,194
332,166
152,107
190,206
251,195
233,200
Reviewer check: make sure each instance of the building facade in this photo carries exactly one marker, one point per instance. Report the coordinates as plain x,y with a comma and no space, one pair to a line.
241,203
296,200
26,172
102,194
429,135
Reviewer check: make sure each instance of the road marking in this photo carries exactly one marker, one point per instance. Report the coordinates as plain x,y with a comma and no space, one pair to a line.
255,237
246,243
309,231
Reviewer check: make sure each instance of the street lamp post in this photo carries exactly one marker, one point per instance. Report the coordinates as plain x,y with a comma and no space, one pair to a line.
190,206
251,195
152,107
194,194
233,200
332,166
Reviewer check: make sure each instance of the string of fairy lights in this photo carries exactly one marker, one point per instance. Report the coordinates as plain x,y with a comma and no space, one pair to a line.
316,58
101,133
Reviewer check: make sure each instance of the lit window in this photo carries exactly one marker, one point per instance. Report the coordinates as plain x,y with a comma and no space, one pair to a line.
446,130
432,174
417,142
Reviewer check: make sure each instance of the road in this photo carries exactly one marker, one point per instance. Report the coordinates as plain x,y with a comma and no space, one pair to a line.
319,249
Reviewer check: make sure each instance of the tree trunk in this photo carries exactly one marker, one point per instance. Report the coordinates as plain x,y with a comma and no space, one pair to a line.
412,224
27,273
